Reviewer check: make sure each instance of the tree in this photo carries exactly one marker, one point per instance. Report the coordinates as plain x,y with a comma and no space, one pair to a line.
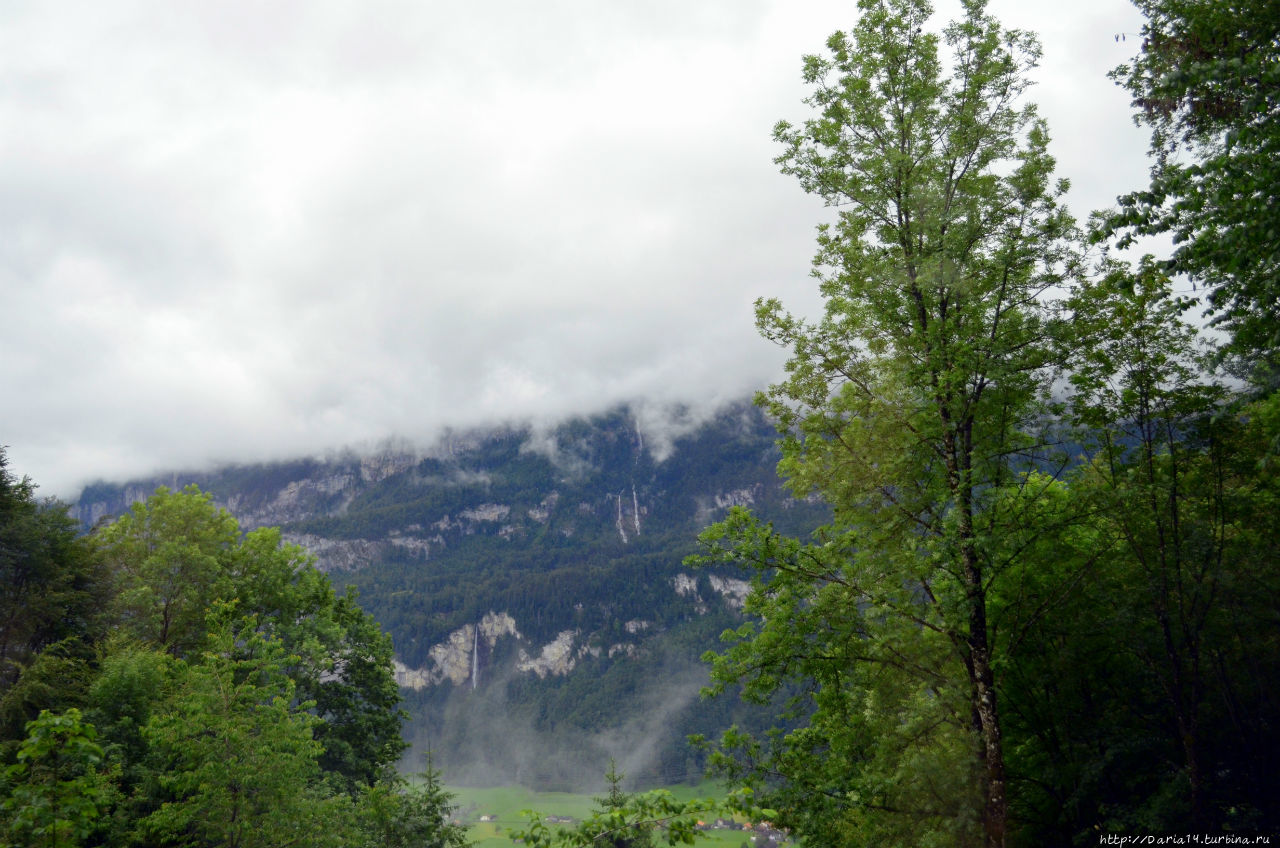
1154,720
130,686
635,820
170,556
1141,395
233,755
177,555
397,813
56,791
908,407
344,656
1206,84
51,589
615,801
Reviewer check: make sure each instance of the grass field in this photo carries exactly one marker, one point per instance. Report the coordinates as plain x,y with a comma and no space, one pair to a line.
505,804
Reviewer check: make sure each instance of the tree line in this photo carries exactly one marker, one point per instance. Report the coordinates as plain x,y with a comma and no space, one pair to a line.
170,681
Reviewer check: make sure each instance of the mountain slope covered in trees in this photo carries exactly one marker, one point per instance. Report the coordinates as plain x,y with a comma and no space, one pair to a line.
532,582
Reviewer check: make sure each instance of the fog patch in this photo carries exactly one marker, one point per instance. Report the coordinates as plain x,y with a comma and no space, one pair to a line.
635,745
491,736
571,457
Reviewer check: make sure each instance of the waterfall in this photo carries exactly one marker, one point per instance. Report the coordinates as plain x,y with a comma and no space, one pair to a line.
475,659
621,529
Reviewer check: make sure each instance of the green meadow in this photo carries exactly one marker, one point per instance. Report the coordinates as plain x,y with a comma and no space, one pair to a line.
506,804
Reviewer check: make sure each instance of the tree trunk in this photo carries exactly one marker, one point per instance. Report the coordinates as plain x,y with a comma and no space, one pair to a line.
995,809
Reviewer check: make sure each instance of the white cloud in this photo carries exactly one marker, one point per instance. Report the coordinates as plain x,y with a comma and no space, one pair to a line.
265,229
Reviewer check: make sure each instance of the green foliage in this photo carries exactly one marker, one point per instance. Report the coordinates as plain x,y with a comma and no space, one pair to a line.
170,557
910,407
233,756
616,801
884,750
240,700
1205,83
51,589
398,813
176,556
949,621
55,793
130,686
1152,717
625,820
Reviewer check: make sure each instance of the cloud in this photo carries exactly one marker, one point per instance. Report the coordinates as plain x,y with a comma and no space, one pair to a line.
268,229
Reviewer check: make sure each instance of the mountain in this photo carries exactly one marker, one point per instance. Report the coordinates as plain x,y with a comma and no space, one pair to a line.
532,580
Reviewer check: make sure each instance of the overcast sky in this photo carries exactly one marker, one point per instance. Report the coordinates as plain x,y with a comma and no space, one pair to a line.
242,230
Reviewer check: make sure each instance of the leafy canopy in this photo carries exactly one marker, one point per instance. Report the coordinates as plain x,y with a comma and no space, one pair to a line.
1206,83
911,407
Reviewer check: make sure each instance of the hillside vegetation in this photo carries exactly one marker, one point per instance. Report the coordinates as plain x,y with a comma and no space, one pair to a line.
477,555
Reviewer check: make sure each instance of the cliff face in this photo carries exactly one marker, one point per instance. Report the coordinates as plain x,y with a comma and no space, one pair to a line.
499,556
458,659
463,657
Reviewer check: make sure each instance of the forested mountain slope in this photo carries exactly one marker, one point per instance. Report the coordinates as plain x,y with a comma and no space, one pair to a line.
532,581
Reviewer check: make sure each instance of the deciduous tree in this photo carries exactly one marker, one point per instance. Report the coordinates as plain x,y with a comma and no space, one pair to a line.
56,792
1138,698
177,554
1206,83
51,592
233,755
910,407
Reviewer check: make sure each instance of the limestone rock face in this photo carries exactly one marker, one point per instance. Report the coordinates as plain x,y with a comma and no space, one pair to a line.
486,512
422,547
410,678
555,658
380,466
542,512
685,584
337,554
458,658
733,590
737,497
452,660
296,499
497,624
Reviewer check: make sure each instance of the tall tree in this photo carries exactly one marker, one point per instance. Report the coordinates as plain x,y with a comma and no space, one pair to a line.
1207,83
176,555
170,556
399,813
907,407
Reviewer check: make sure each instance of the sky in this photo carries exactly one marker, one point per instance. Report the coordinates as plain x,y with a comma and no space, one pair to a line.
246,230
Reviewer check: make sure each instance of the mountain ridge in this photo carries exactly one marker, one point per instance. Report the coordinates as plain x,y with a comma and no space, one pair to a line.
532,577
